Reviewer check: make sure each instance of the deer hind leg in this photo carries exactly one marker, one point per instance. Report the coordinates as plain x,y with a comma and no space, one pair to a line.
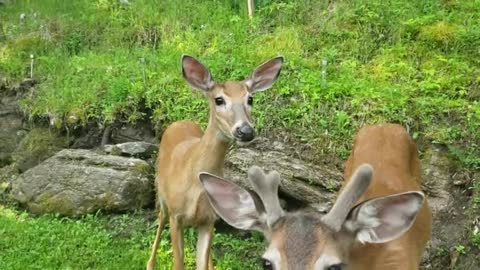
204,243
210,262
176,232
162,215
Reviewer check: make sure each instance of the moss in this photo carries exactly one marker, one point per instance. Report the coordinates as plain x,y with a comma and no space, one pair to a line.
50,203
441,32
62,204
38,145
8,173
116,151
141,168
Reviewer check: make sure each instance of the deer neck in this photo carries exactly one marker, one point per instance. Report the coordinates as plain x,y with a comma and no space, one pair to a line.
213,147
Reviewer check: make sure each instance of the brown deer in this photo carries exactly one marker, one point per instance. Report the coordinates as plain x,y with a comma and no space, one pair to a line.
185,151
380,220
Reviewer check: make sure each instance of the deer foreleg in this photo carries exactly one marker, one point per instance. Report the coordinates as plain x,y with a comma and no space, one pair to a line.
153,256
176,232
204,243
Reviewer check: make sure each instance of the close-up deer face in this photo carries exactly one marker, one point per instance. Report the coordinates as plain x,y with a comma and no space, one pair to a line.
231,102
307,239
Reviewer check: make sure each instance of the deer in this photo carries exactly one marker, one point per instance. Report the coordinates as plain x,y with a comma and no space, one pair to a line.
380,219
185,151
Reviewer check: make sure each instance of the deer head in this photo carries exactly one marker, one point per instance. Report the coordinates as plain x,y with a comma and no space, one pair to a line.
231,101
307,239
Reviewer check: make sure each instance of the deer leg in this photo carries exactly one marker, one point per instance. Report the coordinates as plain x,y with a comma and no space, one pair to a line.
153,256
204,243
176,232
210,261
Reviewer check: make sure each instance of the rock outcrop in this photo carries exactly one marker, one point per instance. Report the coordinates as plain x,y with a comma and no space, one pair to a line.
77,182
132,149
311,184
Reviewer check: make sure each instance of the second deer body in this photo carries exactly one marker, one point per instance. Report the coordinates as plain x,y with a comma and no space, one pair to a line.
380,220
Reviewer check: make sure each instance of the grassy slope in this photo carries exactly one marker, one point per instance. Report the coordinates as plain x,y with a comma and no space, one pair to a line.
104,242
401,61
411,62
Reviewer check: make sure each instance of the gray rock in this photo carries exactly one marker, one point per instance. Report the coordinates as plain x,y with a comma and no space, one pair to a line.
75,182
436,165
314,185
36,146
10,126
136,149
140,131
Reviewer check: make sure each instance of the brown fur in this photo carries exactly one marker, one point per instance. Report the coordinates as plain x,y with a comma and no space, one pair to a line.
301,238
184,152
393,154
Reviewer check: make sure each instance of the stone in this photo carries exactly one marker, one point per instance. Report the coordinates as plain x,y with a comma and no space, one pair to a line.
88,136
10,126
76,182
135,149
38,145
311,184
140,131
436,178
7,174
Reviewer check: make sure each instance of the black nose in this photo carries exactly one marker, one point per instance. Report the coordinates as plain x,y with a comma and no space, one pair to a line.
245,133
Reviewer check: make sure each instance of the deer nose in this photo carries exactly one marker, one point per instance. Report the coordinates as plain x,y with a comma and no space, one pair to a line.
244,133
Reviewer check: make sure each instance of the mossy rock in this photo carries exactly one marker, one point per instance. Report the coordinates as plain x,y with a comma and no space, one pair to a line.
38,145
75,182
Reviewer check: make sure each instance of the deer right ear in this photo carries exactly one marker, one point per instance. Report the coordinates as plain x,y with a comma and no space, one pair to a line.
265,75
196,74
384,219
233,204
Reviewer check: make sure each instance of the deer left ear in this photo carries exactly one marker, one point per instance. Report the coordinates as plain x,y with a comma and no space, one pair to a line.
264,75
233,204
384,219
196,74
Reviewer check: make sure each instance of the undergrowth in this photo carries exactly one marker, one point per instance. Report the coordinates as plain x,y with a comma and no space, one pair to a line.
105,242
414,63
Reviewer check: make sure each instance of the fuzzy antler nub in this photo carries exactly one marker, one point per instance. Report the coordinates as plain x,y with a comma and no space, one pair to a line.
267,188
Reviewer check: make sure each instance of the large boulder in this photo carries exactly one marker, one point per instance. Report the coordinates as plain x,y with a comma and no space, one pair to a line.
311,184
75,182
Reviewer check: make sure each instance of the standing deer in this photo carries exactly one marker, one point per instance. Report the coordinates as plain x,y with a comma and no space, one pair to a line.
185,151
380,220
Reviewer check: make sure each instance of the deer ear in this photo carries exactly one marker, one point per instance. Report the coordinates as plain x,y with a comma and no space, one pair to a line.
233,204
196,74
384,219
264,75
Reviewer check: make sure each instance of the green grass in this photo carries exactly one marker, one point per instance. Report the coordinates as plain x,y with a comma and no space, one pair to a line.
104,242
398,61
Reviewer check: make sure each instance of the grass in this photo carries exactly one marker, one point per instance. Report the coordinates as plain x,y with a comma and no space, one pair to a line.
396,61
104,242
411,62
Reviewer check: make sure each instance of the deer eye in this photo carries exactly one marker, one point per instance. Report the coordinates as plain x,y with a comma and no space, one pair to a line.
267,265
335,267
250,100
219,101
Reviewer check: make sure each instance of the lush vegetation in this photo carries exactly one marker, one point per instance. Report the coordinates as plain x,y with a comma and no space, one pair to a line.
105,242
410,62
